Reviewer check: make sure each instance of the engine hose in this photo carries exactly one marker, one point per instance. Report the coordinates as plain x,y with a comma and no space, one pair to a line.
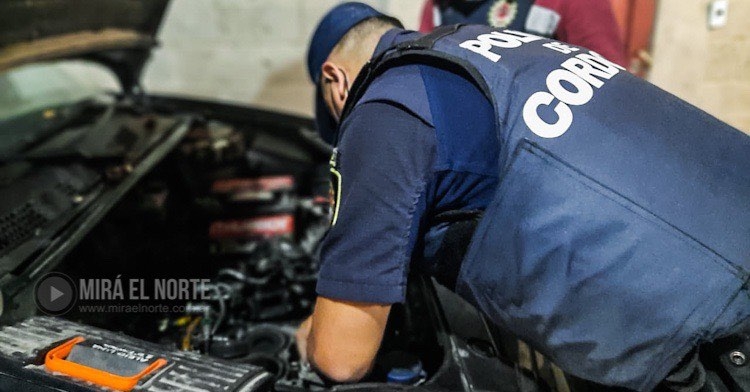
186,340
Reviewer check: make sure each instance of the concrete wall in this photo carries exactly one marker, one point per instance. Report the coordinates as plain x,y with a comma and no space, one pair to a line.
708,68
249,51
253,51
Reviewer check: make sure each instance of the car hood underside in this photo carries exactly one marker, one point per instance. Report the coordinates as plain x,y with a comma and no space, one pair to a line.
117,33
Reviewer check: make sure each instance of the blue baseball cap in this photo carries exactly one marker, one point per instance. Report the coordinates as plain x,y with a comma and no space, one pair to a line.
331,29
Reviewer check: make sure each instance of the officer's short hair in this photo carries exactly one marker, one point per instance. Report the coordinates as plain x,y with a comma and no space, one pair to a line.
364,28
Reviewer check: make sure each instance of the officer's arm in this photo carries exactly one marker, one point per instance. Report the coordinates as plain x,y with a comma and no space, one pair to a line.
344,337
385,158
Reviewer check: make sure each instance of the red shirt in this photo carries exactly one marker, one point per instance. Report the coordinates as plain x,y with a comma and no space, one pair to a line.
587,23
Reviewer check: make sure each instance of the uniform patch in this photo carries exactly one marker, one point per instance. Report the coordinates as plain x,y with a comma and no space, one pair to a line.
502,13
335,188
542,21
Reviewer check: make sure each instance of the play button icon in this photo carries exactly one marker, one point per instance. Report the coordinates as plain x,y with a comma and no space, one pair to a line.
55,293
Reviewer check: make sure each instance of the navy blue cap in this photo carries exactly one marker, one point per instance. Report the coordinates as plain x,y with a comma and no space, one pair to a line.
331,29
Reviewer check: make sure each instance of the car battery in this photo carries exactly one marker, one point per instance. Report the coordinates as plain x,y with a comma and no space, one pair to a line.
52,354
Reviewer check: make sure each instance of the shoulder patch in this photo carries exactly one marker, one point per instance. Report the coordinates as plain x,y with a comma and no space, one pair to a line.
542,21
335,186
502,13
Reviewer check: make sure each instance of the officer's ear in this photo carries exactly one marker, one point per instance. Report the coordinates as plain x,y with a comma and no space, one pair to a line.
336,77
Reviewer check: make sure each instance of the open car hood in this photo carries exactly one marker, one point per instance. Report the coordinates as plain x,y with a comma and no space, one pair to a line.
117,33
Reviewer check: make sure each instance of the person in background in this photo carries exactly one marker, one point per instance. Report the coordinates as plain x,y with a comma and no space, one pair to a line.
587,23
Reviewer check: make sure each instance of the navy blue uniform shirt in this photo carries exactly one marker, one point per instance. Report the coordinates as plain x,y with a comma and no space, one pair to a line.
400,166
618,239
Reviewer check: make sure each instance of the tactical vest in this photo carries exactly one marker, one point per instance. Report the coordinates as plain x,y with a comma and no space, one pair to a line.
619,236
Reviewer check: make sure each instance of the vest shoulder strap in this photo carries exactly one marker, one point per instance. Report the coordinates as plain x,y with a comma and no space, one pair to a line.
415,51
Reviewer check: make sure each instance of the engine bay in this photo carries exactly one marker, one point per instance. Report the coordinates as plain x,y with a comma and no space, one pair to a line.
250,221
224,208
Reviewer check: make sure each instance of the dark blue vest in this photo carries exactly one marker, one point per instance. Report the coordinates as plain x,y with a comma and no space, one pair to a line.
619,236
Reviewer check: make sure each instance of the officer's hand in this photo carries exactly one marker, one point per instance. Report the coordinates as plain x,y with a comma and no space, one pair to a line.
303,332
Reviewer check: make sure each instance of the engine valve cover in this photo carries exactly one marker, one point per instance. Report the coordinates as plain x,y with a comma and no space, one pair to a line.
23,348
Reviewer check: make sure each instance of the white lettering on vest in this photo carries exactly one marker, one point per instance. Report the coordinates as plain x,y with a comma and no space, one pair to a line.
560,47
572,84
580,96
581,72
539,126
587,72
508,39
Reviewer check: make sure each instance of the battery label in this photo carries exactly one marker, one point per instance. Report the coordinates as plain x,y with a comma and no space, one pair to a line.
110,358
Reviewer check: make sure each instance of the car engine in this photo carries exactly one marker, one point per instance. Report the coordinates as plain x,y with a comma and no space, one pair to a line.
242,211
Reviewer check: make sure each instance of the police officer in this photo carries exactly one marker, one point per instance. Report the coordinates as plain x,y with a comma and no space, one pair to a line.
589,23
615,232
